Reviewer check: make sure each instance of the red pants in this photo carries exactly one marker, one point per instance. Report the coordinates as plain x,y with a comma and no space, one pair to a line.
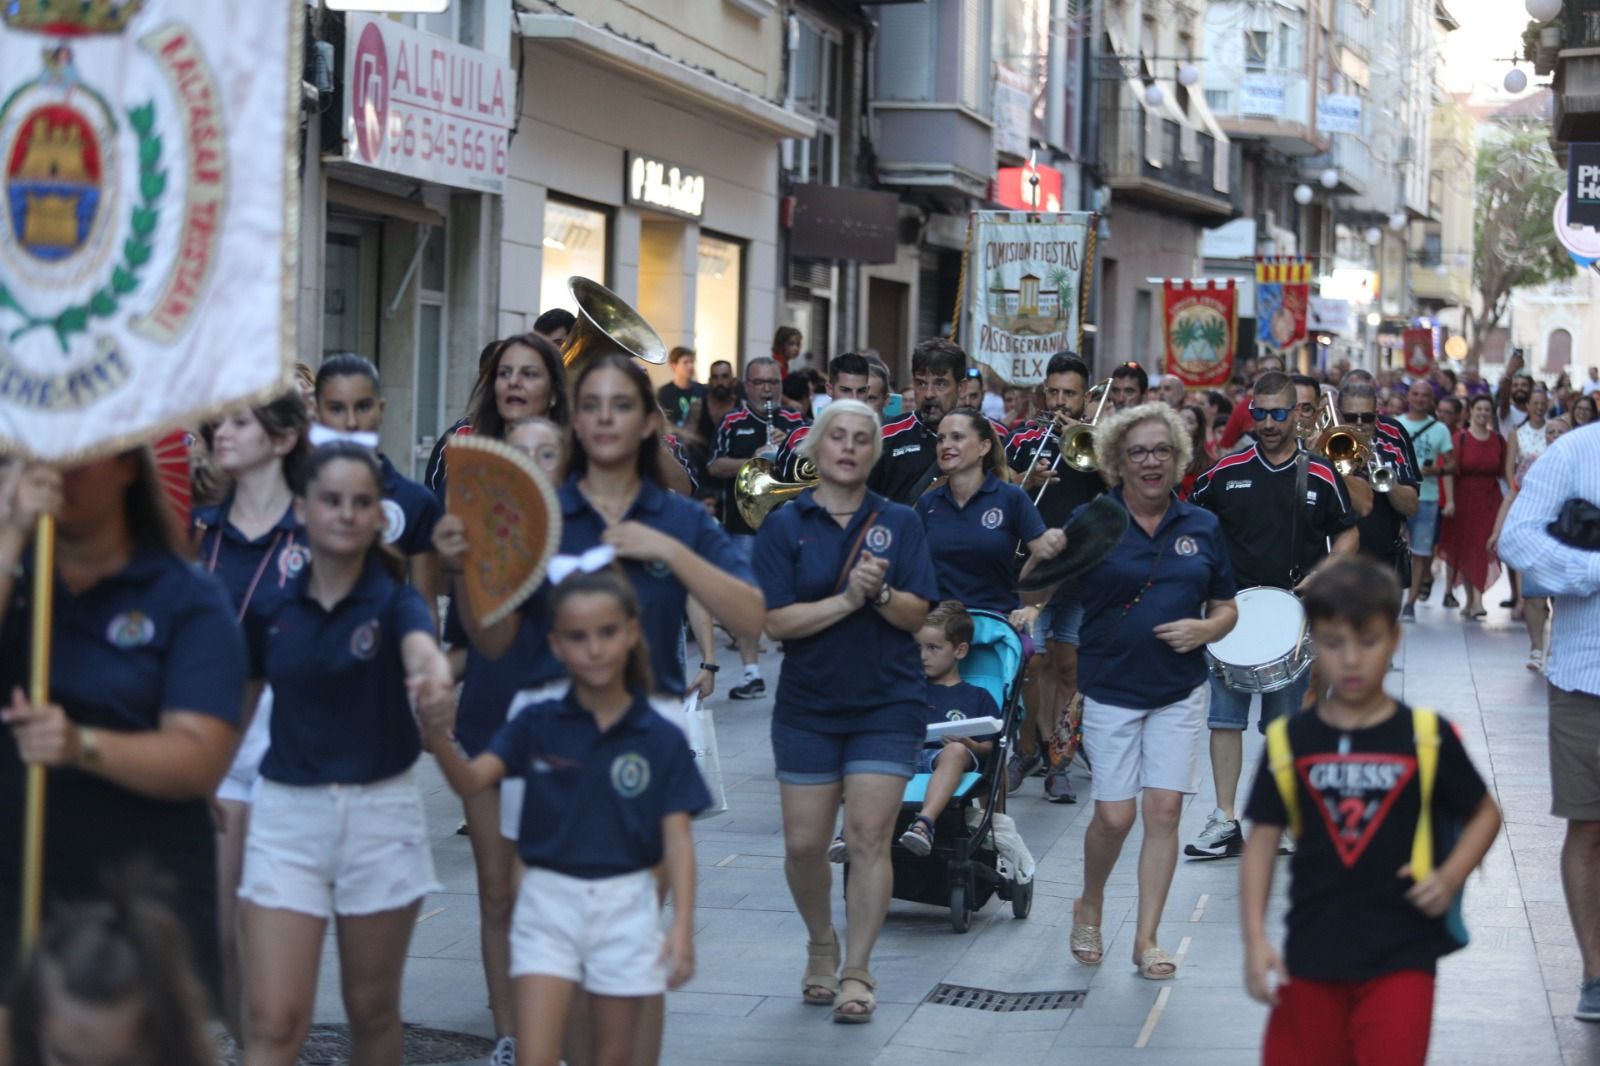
1381,1022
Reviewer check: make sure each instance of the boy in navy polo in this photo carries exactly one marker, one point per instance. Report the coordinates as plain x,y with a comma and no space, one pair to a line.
944,641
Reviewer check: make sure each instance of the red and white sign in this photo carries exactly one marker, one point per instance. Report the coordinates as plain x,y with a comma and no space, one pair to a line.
1014,188
426,107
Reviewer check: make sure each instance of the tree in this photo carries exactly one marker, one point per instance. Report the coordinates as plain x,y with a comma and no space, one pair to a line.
1518,182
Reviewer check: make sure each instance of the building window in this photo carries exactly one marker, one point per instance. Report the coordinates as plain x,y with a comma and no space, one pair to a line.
1557,351
1257,47
816,84
575,242
718,304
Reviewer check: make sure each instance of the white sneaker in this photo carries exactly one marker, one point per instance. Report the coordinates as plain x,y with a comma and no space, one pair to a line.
505,1052
1220,838
838,850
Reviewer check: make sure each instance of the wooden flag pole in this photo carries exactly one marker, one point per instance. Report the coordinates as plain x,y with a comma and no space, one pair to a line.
44,570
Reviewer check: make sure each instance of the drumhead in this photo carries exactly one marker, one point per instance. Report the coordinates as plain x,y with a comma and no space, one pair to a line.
1269,628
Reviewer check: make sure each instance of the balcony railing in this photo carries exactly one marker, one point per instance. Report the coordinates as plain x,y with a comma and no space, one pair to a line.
1580,24
1137,148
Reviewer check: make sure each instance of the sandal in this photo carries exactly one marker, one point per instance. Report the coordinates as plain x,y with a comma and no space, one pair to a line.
1150,958
820,989
918,837
1085,940
866,1001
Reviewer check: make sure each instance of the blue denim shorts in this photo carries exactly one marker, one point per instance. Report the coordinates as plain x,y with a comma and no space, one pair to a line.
1424,528
1060,621
930,755
810,757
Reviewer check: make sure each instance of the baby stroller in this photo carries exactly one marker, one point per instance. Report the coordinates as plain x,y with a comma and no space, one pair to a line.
963,869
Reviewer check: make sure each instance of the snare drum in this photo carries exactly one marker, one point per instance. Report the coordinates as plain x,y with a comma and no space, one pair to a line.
1269,647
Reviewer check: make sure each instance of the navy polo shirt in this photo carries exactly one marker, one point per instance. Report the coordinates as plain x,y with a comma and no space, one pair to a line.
595,801
256,573
861,674
974,547
662,597
1157,579
489,685
158,635
410,512
957,703
340,711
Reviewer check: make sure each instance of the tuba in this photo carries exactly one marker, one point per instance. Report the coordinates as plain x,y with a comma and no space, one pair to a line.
607,324
757,493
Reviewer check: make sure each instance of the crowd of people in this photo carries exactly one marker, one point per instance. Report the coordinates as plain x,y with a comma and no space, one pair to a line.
283,690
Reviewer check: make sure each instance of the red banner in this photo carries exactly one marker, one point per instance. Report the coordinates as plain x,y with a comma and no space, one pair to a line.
1418,344
1199,325
1283,290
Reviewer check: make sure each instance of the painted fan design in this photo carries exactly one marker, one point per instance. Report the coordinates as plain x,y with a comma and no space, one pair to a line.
172,466
513,521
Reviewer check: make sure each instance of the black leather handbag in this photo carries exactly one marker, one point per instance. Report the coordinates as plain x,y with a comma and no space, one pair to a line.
1578,525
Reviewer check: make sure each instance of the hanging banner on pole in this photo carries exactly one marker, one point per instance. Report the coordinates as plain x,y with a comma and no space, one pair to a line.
1199,321
149,152
1418,345
1028,276
1283,293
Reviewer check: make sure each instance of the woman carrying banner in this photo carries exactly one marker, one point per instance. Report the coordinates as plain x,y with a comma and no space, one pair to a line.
147,674
255,545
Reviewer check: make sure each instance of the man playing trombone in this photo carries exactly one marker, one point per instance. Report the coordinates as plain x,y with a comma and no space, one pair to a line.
1058,488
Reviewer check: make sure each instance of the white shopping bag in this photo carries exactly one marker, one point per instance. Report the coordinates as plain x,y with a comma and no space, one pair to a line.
1007,842
701,729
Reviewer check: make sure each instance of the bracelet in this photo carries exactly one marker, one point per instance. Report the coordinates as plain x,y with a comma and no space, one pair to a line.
710,668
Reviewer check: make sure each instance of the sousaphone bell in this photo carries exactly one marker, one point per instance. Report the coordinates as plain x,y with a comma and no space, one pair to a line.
605,323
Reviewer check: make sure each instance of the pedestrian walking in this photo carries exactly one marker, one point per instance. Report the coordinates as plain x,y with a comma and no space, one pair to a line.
1465,541
1430,440
1394,773
679,396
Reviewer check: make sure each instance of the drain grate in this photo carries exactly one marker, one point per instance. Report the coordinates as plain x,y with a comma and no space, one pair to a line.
1003,1002
329,1045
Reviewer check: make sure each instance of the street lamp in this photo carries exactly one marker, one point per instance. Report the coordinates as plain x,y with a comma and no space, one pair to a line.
1373,235
1543,10
1516,80
1302,194
1188,75
1153,95
1373,318
1397,221
1329,178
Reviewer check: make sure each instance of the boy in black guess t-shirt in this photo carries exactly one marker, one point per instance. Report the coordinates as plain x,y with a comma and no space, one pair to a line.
1364,934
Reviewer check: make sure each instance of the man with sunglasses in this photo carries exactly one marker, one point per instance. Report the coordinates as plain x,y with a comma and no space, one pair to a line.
1383,527
1275,537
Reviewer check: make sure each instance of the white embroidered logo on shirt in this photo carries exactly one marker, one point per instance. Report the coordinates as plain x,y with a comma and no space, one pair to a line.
905,450
879,538
1230,486
1185,545
993,517
630,775
364,641
394,521
132,629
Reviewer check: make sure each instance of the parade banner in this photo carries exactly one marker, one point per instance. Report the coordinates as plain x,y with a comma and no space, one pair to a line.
1199,323
1283,294
1029,275
1418,344
148,249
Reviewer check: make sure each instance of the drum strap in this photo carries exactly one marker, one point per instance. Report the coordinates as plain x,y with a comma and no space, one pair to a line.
1300,462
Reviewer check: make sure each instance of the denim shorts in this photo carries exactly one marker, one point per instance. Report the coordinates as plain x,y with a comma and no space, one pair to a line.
930,755
1424,528
810,757
1060,621
1231,710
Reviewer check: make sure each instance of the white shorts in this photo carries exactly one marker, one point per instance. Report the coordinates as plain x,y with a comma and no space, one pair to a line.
324,850
240,784
1132,750
605,935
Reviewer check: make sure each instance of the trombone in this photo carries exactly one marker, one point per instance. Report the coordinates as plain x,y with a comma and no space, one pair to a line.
1076,443
1349,448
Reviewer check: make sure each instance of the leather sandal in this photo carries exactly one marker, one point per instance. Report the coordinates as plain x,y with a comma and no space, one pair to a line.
1085,940
820,990
865,1000
1150,958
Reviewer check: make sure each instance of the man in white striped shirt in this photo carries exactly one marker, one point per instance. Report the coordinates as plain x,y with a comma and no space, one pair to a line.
1569,468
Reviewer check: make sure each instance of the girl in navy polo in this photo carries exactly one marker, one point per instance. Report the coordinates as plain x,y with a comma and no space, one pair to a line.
338,831
254,544
147,672
611,788
975,520
848,581
349,401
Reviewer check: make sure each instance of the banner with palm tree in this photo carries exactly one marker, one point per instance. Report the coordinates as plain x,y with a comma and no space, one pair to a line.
1199,323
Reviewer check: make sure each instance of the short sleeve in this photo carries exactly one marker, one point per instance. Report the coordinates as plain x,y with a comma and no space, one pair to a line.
419,528
1459,788
408,613
719,449
206,665
1223,586
912,570
1030,525
1446,445
512,742
712,543
775,561
683,791
455,633
1266,803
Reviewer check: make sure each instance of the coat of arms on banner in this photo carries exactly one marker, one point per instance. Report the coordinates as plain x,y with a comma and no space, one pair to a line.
1283,293
1199,321
146,243
1028,275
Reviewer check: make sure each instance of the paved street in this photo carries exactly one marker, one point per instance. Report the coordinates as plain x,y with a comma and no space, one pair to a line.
1505,999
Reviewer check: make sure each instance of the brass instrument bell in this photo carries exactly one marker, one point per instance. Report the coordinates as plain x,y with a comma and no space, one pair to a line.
757,493
605,324
1077,442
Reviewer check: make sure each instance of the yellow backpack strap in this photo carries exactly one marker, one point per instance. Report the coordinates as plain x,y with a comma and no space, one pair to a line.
1425,728
1280,760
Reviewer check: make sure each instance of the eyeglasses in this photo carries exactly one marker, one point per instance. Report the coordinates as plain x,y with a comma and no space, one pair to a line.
1366,418
1278,414
765,381
1161,453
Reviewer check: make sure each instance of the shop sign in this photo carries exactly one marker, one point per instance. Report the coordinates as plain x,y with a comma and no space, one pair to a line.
1199,323
425,107
837,222
1026,295
663,186
1327,315
1261,94
1014,188
1583,184
1013,111
1338,113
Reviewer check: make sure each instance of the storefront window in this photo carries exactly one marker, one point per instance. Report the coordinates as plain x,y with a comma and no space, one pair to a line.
575,242
718,304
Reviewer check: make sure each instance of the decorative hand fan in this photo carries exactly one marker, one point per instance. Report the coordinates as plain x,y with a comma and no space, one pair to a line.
513,521
172,466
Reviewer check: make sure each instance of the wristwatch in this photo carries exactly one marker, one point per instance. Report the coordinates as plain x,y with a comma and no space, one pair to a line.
88,748
882,599
710,668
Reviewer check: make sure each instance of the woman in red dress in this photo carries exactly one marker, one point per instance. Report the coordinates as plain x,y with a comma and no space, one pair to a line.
1480,460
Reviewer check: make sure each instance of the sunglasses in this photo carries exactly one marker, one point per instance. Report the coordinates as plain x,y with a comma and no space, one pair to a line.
1366,418
1278,414
974,372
